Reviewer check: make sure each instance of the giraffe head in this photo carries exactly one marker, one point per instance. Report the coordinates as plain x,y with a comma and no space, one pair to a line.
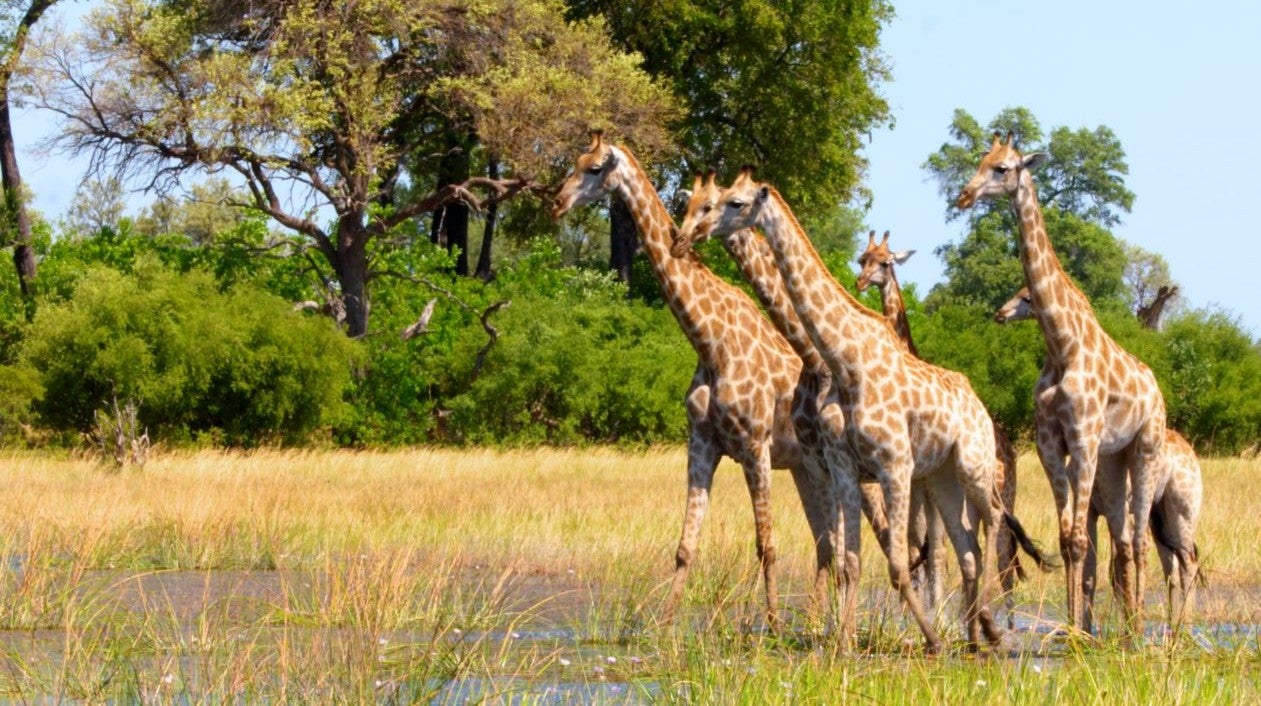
737,207
999,173
594,175
704,195
877,262
1018,308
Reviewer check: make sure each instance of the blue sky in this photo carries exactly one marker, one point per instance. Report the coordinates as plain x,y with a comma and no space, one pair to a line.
1179,89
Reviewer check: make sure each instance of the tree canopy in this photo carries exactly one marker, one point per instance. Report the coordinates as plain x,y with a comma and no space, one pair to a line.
1082,191
792,87
316,107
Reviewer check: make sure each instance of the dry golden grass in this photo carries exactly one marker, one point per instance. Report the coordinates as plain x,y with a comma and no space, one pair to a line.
592,512
357,574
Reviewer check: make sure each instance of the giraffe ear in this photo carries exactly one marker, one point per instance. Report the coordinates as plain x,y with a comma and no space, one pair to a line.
902,256
1033,160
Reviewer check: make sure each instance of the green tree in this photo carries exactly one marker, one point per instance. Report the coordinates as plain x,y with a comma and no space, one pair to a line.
789,86
1082,191
318,106
1084,174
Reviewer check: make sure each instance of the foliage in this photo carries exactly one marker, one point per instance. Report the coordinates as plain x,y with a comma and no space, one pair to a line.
789,86
321,105
1214,381
1145,273
983,270
237,366
574,361
1083,175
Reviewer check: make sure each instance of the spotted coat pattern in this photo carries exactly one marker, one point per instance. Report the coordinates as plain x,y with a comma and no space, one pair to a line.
739,403
904,422
1099,414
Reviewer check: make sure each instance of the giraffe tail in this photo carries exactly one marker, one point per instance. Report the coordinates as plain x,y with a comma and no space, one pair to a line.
919,560
1046,562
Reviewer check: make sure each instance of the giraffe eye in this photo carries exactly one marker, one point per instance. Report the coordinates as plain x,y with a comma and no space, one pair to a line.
596,169
735,204
885,264
1001,168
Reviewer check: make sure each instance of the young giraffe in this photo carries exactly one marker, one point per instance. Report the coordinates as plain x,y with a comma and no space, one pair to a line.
740,397
817,416
1095,403
903,421
877,263
1175,505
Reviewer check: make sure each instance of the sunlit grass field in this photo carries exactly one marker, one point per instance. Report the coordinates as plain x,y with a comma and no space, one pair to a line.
523,577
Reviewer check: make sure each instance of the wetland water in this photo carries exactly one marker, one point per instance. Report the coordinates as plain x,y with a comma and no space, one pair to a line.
547,623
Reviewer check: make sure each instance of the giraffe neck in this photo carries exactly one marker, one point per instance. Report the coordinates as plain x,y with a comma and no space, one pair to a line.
1058,304
850,337
895,311
757,265
685,282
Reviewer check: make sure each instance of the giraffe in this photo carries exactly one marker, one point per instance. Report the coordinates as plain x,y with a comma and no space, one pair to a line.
1096,405
816,411
1179,492
877,262
740,398
903,422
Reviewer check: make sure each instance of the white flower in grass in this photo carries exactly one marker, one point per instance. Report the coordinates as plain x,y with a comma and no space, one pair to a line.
168,679
598,670
456,631
564,662
382,641
636,660
611,659
1037,669
516,635
981,682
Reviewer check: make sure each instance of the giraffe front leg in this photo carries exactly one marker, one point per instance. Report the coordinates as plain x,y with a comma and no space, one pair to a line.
1090,570
897,491
702,459
848,513
1081,472
757,474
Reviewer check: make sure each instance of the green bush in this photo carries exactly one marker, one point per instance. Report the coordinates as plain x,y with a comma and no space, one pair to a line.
574,361
238,365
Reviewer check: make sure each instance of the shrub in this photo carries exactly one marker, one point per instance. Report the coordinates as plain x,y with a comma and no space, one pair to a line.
236,364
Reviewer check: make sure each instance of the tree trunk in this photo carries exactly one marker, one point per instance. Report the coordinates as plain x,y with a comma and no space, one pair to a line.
450,222
10,177
1150,314
622,239
352,274
488,231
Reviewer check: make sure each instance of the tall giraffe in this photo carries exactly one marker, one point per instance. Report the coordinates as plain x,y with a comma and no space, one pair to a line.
877,262
1175,504
904,422
1096,405
817,415
740,399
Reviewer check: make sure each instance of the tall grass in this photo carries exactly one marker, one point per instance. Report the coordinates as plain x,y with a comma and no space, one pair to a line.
409,576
